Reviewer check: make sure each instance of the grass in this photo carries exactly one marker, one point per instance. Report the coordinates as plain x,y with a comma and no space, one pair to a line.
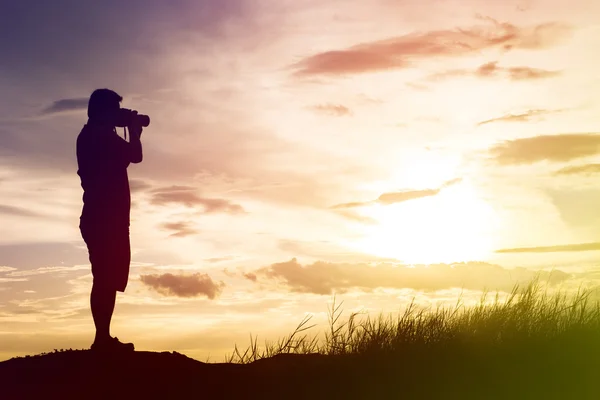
529,343
527,314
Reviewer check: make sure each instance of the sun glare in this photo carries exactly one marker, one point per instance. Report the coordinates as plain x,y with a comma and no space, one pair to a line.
453,226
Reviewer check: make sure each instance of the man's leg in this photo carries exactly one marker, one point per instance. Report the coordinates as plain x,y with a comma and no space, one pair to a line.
110,257
102,302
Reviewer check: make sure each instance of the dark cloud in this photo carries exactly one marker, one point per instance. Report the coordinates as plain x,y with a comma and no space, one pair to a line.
60,106
493,70
336,110
595,246
398,197
523,117
188,197
402,51
184,285
326,278
18,211
587,169
181,229
555,148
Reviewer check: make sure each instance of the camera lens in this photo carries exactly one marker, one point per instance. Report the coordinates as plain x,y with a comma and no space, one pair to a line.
143,120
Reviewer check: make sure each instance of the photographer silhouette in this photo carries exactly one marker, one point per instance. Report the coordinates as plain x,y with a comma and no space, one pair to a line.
102,159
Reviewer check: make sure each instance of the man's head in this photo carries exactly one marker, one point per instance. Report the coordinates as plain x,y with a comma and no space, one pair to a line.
103,107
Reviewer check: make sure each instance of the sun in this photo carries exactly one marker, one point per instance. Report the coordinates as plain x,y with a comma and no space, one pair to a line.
453,226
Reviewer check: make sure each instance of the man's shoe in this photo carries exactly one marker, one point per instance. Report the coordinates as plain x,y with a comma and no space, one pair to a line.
112,345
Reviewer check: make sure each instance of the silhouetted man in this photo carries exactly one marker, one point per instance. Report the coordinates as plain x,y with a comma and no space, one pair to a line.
102,158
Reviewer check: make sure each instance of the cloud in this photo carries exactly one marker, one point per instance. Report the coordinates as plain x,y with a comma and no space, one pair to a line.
63,105
587,169
52,281
48,270
325,278
402,51
355,216
250,276
353,204
174,188
187,196
528,73
182,229
595,246
8,280
18,211
184,285
493,70
399,197
554,148
523,117
336,110
219,259
138,185
36,254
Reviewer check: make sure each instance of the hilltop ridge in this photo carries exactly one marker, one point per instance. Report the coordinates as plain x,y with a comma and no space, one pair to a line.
82,374
542,372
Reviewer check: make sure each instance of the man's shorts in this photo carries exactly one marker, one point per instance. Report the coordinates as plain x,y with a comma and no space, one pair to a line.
110,255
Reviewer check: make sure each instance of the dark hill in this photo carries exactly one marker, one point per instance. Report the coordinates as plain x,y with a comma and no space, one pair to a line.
558,371
81,374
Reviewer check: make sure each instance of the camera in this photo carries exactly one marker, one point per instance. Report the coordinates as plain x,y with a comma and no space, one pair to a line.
128,117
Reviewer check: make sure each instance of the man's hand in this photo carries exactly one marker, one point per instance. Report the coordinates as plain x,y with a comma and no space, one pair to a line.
135,145
135,129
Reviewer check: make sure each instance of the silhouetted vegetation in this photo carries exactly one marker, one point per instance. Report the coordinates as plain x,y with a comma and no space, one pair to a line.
528,345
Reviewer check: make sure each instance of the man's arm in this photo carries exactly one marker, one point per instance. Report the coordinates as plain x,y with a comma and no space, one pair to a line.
135,144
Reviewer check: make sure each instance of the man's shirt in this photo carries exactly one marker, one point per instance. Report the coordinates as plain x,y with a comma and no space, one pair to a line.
102,159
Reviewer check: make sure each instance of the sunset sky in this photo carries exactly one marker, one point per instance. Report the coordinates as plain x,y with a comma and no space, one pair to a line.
378,149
